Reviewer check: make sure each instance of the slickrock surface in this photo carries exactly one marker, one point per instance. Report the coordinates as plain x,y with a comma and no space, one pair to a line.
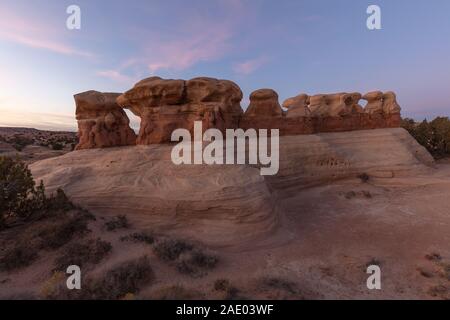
216,203
307,160
101,122
223,203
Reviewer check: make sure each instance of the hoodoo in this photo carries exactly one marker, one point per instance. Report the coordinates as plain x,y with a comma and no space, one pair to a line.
165,105
101,122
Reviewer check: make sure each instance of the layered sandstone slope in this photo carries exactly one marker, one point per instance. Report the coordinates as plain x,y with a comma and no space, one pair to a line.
321,158
223,203
217,204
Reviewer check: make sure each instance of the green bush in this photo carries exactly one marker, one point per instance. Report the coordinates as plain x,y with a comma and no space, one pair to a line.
434,135
16,185
57,146
20,198
19,142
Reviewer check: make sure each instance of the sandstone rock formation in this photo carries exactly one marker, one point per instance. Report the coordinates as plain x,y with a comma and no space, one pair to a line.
335,105
224,203
297,106
264,103
374,102
101,122
356,107
318,105
339,104
229,203
390,105
320,158
166,105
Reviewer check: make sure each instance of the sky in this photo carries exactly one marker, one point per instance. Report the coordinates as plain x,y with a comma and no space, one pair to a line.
291,46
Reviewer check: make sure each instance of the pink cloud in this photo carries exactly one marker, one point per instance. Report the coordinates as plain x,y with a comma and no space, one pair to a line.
208,43
250,66
201,38
34,34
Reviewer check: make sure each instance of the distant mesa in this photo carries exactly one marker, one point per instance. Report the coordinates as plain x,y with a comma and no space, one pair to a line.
165,105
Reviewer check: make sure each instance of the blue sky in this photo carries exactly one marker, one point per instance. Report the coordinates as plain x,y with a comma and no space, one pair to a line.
292,46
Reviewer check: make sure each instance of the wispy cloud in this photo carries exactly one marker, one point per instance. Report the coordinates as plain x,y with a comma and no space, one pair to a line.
249,66
207,44
201,38
33,33
116,75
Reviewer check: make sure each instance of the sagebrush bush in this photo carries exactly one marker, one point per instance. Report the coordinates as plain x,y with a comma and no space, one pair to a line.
434,135
185,256
279,284
196,260
118,222
82,254
19,256
171,249
128,277
146,237
61,231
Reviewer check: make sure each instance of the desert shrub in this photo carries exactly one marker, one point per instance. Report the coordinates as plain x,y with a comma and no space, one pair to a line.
185,256
16,185
19,142
280,284
447,272
19,256
364,177
196,260
350,194
81,254
128,277
221,284
434,256
171,249
57,146
21,199
118,222
353,194
60,231
440,291
224,286
146,237
434,135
